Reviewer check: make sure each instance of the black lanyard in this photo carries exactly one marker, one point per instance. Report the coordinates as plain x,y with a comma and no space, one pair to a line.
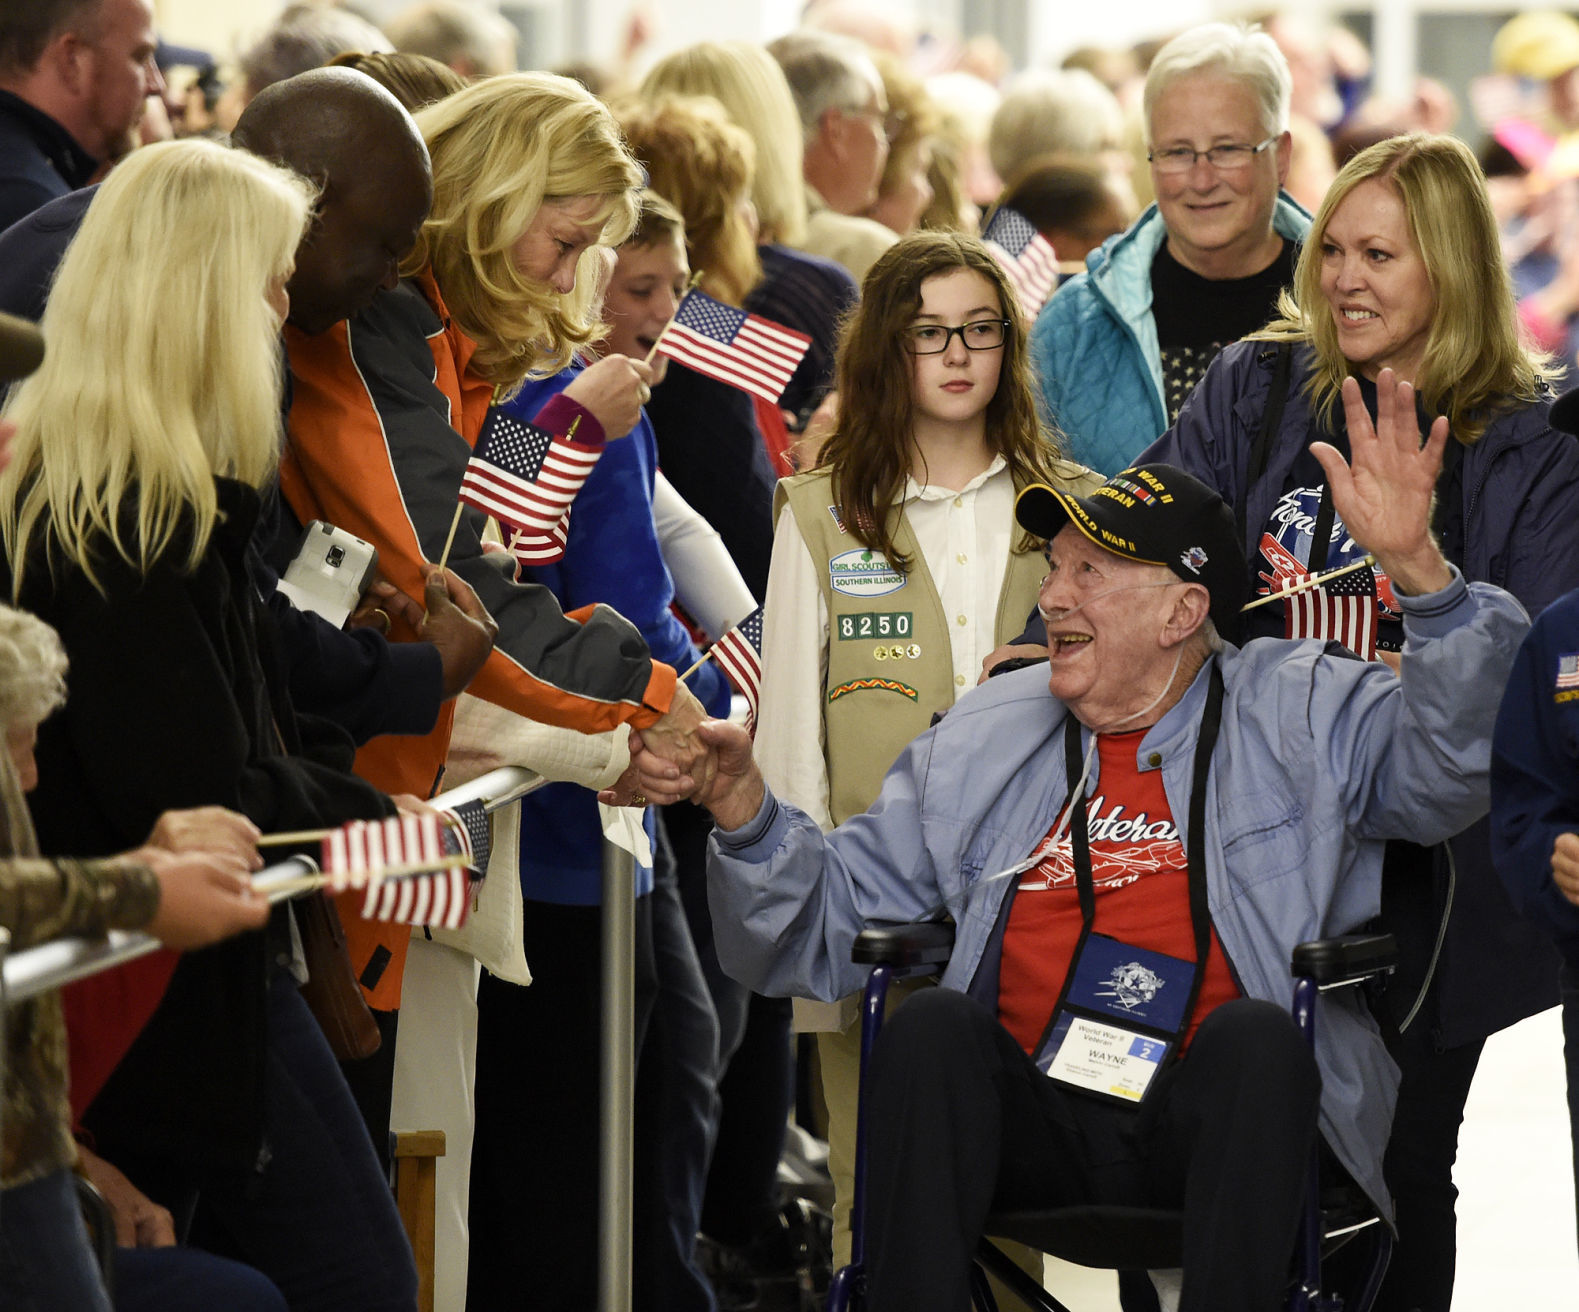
1195,847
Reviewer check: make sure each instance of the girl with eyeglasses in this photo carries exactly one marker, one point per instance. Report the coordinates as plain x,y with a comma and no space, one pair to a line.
897,566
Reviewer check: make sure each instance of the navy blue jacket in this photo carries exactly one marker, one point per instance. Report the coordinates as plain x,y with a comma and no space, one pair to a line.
1520,531
39,159
811,295
1535,772
711,449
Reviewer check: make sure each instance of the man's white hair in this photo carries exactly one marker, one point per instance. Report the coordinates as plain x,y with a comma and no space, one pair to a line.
1240,51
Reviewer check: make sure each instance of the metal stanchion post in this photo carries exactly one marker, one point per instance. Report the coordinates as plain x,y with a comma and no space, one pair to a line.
618,1080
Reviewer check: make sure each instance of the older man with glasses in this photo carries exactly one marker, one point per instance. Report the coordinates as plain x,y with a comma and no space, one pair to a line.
846,126
1120,346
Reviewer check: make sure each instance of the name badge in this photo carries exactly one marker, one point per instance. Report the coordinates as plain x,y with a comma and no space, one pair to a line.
1120,1019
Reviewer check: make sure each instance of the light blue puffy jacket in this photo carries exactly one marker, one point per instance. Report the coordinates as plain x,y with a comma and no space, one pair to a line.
1094,346
1321,758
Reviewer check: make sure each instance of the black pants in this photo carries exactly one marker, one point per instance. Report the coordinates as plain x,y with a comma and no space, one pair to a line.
1432,1091
534,1183
756,1065
965,1123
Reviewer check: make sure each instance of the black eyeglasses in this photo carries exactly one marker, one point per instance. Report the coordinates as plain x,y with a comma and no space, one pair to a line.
934,338
1225,159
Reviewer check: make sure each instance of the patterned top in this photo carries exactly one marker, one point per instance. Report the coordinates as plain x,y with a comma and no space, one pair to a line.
1196,317
40,900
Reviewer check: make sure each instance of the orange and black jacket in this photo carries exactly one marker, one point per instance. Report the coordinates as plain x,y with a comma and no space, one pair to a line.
383,421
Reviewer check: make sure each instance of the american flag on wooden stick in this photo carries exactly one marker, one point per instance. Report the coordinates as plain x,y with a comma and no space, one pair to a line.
739,655
1026,256
744,350
526,476
386,857
1343,609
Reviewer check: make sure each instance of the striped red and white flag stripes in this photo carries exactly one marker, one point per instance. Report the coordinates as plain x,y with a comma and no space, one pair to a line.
1342,610
358,854
739,655
541,548
441,898
743,350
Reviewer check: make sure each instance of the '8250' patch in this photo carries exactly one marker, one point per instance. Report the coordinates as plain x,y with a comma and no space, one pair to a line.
875,624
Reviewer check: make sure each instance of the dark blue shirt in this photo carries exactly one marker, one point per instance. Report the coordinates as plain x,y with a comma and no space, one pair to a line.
39,159
811,295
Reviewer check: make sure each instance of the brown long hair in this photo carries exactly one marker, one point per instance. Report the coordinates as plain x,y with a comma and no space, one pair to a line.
869,453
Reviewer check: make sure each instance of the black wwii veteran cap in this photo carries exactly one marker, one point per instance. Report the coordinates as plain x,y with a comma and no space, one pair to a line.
21,348
1157,515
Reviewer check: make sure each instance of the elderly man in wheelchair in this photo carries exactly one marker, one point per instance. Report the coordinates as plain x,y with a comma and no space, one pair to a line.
1113,1025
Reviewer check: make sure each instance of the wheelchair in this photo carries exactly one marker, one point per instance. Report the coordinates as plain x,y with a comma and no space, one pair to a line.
1122,1238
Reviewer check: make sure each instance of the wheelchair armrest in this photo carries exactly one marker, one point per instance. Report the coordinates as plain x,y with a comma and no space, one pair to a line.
1347,959
920,943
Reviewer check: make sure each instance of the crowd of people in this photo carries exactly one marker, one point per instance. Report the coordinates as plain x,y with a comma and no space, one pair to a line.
1156,624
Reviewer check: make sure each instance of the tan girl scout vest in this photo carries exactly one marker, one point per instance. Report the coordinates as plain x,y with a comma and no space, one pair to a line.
890,663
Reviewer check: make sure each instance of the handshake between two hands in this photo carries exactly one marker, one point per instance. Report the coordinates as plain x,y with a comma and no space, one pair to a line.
686,755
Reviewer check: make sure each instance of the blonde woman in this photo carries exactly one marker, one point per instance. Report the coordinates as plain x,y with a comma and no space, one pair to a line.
798,290
1402,274
531,186
750,85
126,514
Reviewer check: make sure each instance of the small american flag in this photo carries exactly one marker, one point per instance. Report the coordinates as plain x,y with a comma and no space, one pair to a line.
739,655
1027,257
743,350
1568,670
359,854
469,826
526,475
1341,610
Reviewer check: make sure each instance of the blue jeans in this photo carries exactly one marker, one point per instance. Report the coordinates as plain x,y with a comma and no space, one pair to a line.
46,1264
319,1218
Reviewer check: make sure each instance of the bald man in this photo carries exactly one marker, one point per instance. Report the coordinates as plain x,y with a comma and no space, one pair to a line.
350,136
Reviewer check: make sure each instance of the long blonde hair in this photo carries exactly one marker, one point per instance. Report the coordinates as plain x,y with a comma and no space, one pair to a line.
501,148
1475,362
164,362
751,87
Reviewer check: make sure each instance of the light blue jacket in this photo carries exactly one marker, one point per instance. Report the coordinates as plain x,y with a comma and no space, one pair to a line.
1094,345
1321,758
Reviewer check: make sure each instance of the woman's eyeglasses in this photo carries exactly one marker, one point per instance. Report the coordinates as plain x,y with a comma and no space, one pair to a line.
1225,159
934,338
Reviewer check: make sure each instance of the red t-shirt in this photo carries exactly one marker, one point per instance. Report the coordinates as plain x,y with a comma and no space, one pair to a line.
1141,879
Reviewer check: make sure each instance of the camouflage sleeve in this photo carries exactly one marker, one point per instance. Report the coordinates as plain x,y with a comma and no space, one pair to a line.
41,899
